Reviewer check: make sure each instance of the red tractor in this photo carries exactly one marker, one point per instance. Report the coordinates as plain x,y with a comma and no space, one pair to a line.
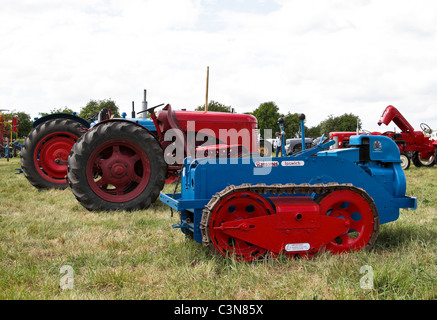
136,143
415,146
121,165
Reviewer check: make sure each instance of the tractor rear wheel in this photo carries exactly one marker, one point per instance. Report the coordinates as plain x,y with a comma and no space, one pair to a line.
419,162
116,166
45,152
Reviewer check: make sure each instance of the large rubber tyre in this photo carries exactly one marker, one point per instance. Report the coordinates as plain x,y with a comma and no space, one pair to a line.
405,164
418,162
46,143
116,166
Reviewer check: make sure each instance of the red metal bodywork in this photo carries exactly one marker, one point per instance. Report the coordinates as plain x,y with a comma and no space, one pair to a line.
407,140
392,114
297,222
341,138
225,130
7,127
296,225
206,134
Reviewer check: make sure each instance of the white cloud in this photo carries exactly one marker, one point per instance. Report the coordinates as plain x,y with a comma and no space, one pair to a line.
316,57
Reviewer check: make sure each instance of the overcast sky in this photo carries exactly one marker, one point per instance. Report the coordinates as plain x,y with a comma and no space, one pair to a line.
318,57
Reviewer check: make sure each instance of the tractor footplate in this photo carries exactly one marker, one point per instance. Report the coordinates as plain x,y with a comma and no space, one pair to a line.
241,222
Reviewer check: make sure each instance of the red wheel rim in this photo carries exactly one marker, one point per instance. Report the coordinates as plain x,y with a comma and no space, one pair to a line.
118,171
54,146
356,210
238,206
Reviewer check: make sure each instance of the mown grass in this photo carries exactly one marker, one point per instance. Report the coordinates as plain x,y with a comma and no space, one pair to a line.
137,255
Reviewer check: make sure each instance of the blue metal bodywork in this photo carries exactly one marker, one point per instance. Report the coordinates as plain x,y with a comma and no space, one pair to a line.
144,122
373,165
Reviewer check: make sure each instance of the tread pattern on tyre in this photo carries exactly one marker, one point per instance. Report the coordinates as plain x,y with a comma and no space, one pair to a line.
31,142
416,161
82,150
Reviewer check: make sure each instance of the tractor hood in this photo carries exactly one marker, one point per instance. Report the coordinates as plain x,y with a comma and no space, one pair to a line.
210,118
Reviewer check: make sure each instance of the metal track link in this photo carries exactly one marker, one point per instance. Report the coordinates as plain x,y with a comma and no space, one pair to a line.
278,189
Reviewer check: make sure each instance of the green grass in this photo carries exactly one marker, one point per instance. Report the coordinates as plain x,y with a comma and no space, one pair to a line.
137,255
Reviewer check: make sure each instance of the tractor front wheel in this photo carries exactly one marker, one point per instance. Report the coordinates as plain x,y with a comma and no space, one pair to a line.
116,166
405,164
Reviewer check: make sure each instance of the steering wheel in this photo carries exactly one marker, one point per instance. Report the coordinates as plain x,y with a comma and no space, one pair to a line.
425,128
152,109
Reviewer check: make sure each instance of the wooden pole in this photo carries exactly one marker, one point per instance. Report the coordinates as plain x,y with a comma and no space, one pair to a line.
207,88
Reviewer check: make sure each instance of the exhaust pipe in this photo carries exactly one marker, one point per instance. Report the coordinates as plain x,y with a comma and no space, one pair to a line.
144,113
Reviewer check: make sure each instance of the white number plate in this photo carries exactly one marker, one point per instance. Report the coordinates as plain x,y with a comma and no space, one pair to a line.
292,247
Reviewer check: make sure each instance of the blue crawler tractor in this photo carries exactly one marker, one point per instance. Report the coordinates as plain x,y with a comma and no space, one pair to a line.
297,205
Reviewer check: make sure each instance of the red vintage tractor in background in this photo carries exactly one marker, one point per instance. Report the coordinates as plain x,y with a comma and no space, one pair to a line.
414,146
8,128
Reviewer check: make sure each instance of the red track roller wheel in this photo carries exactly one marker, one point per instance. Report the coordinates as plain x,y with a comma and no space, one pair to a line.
357,211
237,206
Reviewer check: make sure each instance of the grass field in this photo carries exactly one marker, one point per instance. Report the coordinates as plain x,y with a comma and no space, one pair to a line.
138,255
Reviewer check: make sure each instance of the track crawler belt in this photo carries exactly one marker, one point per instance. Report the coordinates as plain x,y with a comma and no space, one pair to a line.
289,188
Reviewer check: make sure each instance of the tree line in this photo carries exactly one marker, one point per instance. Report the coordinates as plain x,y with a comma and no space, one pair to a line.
267,115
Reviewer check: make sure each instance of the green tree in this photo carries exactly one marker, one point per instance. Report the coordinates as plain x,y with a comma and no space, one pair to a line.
267,115
313,132
291,125
215,106
95,106
345,122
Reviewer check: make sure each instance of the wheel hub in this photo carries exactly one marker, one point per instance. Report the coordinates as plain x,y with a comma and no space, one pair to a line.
57,149
52,154
119,170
